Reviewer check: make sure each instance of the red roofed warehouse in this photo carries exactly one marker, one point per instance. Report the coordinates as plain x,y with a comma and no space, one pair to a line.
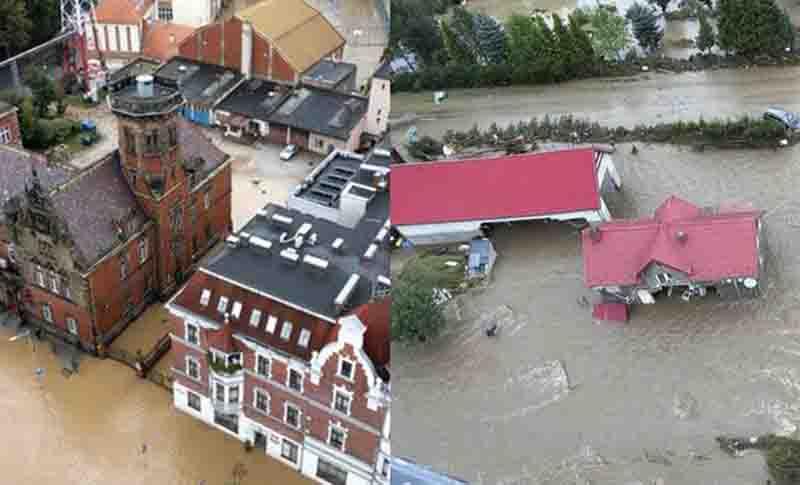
683,247
447,201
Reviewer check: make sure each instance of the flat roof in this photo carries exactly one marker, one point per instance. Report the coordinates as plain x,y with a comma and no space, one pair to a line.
329,73
327,113
484,189
198,82
255,98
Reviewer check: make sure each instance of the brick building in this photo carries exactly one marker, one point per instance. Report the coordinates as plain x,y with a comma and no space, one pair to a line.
9,125
278,40
91,249
283,339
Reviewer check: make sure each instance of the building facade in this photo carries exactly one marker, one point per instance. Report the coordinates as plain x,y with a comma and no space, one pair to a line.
9,125
283,339
380,101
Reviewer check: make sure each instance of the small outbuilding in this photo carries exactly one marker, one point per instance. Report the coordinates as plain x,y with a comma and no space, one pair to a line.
480,258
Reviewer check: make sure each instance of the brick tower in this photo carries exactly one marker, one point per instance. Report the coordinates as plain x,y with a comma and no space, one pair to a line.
151,160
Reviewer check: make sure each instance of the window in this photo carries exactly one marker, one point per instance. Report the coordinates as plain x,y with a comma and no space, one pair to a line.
341,402
130,144
67,291
176,218
54,283
286,331
72,326
255,317
207,200
205,297
193,401
40,278
222,306
262,366
261,401
292,416
192,368
5,136
295,380
165,13
142,250
289,451
151,141
123,267
336,437
237,309
220,392
346,369
305,336
12,253
272,322
47,313
172,131
192,334
331,473
664,278
233,394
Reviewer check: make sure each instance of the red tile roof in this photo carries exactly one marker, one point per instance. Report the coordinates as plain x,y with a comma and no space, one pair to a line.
122,11
517,186
161,40
707,247
376,316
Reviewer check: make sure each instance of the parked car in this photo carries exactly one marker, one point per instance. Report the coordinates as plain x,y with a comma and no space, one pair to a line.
786,118
289,152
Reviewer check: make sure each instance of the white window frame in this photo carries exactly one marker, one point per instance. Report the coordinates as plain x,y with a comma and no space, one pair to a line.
189,395
5,135
289,371
72,325
222,304
186,334
205,297
165,13
268,375
286,407
54,283
143,250
351,377
256,392
286,330
296,449
344,392
228,394
338,427
40,278
196,362
255,317
237,309
12,252
67,291
272,322
47,313
305,338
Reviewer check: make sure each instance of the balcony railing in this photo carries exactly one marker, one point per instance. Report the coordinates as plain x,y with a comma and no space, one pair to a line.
227,407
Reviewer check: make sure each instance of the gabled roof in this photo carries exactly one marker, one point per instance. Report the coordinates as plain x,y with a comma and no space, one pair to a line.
517,186
161,40
122,11
376,316
16,168
300,33
706,246
320,111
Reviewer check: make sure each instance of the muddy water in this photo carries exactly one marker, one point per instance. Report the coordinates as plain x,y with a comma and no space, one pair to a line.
89,429
557,399
650,98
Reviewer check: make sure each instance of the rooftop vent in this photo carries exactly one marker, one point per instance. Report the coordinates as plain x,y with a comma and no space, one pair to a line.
282,219
347,291
260,242
290,255
681,236
182,68
338,244
370,252
381,235
382,152
232,241
144,85
316,262
298,241
305,228
312,239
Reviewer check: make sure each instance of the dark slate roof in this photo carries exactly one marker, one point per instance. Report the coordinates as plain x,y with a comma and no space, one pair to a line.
132,69
255,99
16,167
328,73
195,145
384,71
91,202
300,283
200,83
327,113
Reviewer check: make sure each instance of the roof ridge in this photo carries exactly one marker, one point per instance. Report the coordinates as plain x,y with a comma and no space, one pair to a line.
101,161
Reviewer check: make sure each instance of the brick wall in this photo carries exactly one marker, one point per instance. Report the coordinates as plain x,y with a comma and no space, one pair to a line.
207,44
281,70
10,121
61,309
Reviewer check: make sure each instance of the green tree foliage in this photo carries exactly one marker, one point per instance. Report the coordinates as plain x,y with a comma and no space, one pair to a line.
609,33
491,39
533,52
645,26
586,56
15,26
43,90
662,4
783,460
47,15
706,37
414,29
415,315
753,27
457,51
462,23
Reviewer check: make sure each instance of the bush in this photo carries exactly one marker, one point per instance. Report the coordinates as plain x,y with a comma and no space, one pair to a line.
783,460
59,130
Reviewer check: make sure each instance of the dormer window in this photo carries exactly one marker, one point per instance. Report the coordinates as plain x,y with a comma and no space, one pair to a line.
286,331
305,337
222,306
205,297
272,322
236,310
255,317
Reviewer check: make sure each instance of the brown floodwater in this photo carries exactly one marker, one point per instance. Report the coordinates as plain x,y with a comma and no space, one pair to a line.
557,399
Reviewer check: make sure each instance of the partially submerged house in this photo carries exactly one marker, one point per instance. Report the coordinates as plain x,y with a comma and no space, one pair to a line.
447,202
682,248
480,258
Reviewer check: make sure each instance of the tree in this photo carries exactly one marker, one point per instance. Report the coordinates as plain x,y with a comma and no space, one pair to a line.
43,90
609,33
783,460
645,26
416,317
491,39
48,20
584,50
457,51
753,27
463,25
414,29
15,26
706,38
662,4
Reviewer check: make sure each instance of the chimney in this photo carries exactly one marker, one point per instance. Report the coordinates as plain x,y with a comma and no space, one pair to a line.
144,85
681,236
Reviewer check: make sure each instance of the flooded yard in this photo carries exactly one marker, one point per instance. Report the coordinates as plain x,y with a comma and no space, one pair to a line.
558,399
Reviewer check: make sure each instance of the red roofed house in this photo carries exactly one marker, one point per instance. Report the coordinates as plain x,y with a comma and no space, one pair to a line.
120,30
682,248
446,202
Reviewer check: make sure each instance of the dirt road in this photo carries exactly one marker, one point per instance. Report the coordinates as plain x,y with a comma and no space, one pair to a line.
557,399
649,98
